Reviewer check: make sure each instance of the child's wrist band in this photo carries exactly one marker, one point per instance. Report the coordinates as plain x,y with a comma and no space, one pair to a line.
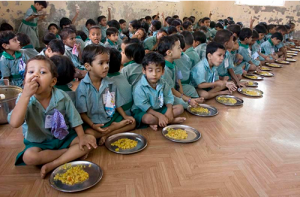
189,100
181,95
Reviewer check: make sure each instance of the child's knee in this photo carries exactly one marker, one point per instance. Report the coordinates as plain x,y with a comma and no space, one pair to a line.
31,157
149,119
179,109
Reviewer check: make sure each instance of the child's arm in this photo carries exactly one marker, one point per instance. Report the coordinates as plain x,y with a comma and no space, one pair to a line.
162,119
109,14
234,77
76,15
251,22
192,101
96,127
19,112
123,114
211,85
169,113
84,140
30,17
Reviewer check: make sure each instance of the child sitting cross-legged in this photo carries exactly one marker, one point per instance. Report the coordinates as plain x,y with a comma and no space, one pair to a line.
153,98
98,99
26,47
51,125
205,75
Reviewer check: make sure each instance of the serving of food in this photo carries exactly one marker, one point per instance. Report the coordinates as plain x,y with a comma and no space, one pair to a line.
124,143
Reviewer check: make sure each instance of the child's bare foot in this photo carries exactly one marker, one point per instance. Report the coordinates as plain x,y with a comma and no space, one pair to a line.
179,120
153,127
102,141
118,125
46,169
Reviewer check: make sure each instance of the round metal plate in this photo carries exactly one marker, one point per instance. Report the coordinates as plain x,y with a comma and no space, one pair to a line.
282,62
239,101
95,175
240,90
255,84
265,74
290,60
142,143
193,134
212,111
248,76
292,53
274,65
265,68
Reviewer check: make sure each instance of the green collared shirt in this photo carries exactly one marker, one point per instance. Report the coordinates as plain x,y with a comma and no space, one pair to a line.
202,73
150,42
110,44
132,71
170,74
193,55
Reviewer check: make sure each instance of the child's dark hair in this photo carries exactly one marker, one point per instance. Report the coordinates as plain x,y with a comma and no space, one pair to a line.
229,17
145,26
172,30
205,19
23,39
263,24
121,21
90,22
181,39
188,37
5,36
240,24
166,43
278,36
223,36
145,34
99,19
175,23
95,27
271,26
65,69
212,24
135,24
203,28
114,23
48,37
91,51
245,33
261,29
225,21
64,22
156,24
53,69
6,27
287,27
111,30
132,41
135,51
236,29
148,18
54,25
186,24
66,32
57,46
170,20
281,28
166,19
81,34
219,25
231,23
175,16
255,34
43,3
115,59
153,58
199,36
212,47
184,18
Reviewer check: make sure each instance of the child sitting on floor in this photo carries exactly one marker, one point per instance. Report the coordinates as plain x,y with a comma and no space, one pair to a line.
268,47
199,43
119,80
27,49
12,62
88,24
153,98
112,35
189,50
151,43
51,125
205,75
55,47
98,100
94,36
53,28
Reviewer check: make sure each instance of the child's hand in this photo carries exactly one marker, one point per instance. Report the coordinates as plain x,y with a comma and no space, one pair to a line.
78,46
163,120
199,100
169,115
108,9
231,86
220,83
87,140
97,127
130,119
252,20
30,86
193,103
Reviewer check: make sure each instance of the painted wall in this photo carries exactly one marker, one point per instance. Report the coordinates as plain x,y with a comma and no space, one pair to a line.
13,11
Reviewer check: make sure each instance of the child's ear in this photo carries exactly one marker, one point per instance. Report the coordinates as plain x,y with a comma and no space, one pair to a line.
163,71
209,56
169,52
87,66
54,81
144,71
5,46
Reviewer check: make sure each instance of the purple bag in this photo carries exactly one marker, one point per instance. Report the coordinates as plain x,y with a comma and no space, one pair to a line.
59,128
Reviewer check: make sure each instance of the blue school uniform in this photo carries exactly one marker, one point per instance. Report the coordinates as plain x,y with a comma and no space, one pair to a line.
268,48
29,52
213,32
91,101
42,52
193,55
90,42
85,30
73,57
67,90
202,73
110,44
133,72
103,33
278,46
225,65
13,67
30,27
184,65
238,68
125,90
146,97
150,42
34,131
201,50
256,48
269,35
245,51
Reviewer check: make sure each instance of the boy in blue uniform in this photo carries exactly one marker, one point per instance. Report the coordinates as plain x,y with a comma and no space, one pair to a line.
257,40
199,43
153,98
102,23
55,47
94,36
89,23
12,63
112,35
189,50
205,75
268,47
26,47
51,125
98,99
155,26
151,43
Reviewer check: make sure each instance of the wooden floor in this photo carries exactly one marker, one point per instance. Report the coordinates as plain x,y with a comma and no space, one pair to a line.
253,150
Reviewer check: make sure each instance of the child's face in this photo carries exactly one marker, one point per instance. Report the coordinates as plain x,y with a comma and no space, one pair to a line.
95,35
148,21
153,72
53,30
131,29
103,22
272,31
113,37
275,41
125,59
282,32
40,69
228,45
196,43
253,41
159,35
100,66
152,28
123,26
13,45
49,53
38,7
190,28
261,36
138,34
71,40
248,40
217,57
178,28
207,23
175,52
235,45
